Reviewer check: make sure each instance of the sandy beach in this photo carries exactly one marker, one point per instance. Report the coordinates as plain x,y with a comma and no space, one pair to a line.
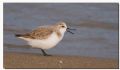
24,60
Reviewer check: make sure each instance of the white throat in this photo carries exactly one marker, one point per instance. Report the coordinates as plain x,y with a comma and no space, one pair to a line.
62,31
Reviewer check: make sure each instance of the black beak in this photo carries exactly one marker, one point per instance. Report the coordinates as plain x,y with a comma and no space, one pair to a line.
68,30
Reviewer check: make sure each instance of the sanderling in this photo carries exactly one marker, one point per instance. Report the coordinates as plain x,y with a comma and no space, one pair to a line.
45,37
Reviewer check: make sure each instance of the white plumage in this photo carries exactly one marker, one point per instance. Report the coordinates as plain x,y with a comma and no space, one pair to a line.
48,43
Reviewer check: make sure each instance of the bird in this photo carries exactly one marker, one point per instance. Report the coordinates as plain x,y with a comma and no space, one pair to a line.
45,37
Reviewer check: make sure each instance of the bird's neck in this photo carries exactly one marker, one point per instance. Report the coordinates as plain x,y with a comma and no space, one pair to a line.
59,34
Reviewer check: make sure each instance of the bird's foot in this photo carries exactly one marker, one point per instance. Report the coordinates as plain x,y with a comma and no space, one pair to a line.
44,53
47,55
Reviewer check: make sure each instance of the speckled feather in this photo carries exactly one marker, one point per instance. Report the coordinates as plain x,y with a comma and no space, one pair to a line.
41,33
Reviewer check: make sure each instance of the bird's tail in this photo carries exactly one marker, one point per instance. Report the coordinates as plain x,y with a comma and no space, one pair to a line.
18,35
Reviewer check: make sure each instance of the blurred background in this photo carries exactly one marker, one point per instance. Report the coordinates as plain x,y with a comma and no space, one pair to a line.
96,24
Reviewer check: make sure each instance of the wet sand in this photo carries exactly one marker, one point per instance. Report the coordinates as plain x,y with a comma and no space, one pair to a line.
24,60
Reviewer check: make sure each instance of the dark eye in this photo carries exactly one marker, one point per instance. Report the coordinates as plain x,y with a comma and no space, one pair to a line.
63,26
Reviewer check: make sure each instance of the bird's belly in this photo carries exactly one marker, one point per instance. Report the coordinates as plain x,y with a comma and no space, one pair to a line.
42,44
46,43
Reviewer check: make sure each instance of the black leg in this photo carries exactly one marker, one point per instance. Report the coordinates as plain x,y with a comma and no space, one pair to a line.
44,53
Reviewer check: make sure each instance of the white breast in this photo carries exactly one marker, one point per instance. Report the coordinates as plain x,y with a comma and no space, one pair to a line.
46,43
